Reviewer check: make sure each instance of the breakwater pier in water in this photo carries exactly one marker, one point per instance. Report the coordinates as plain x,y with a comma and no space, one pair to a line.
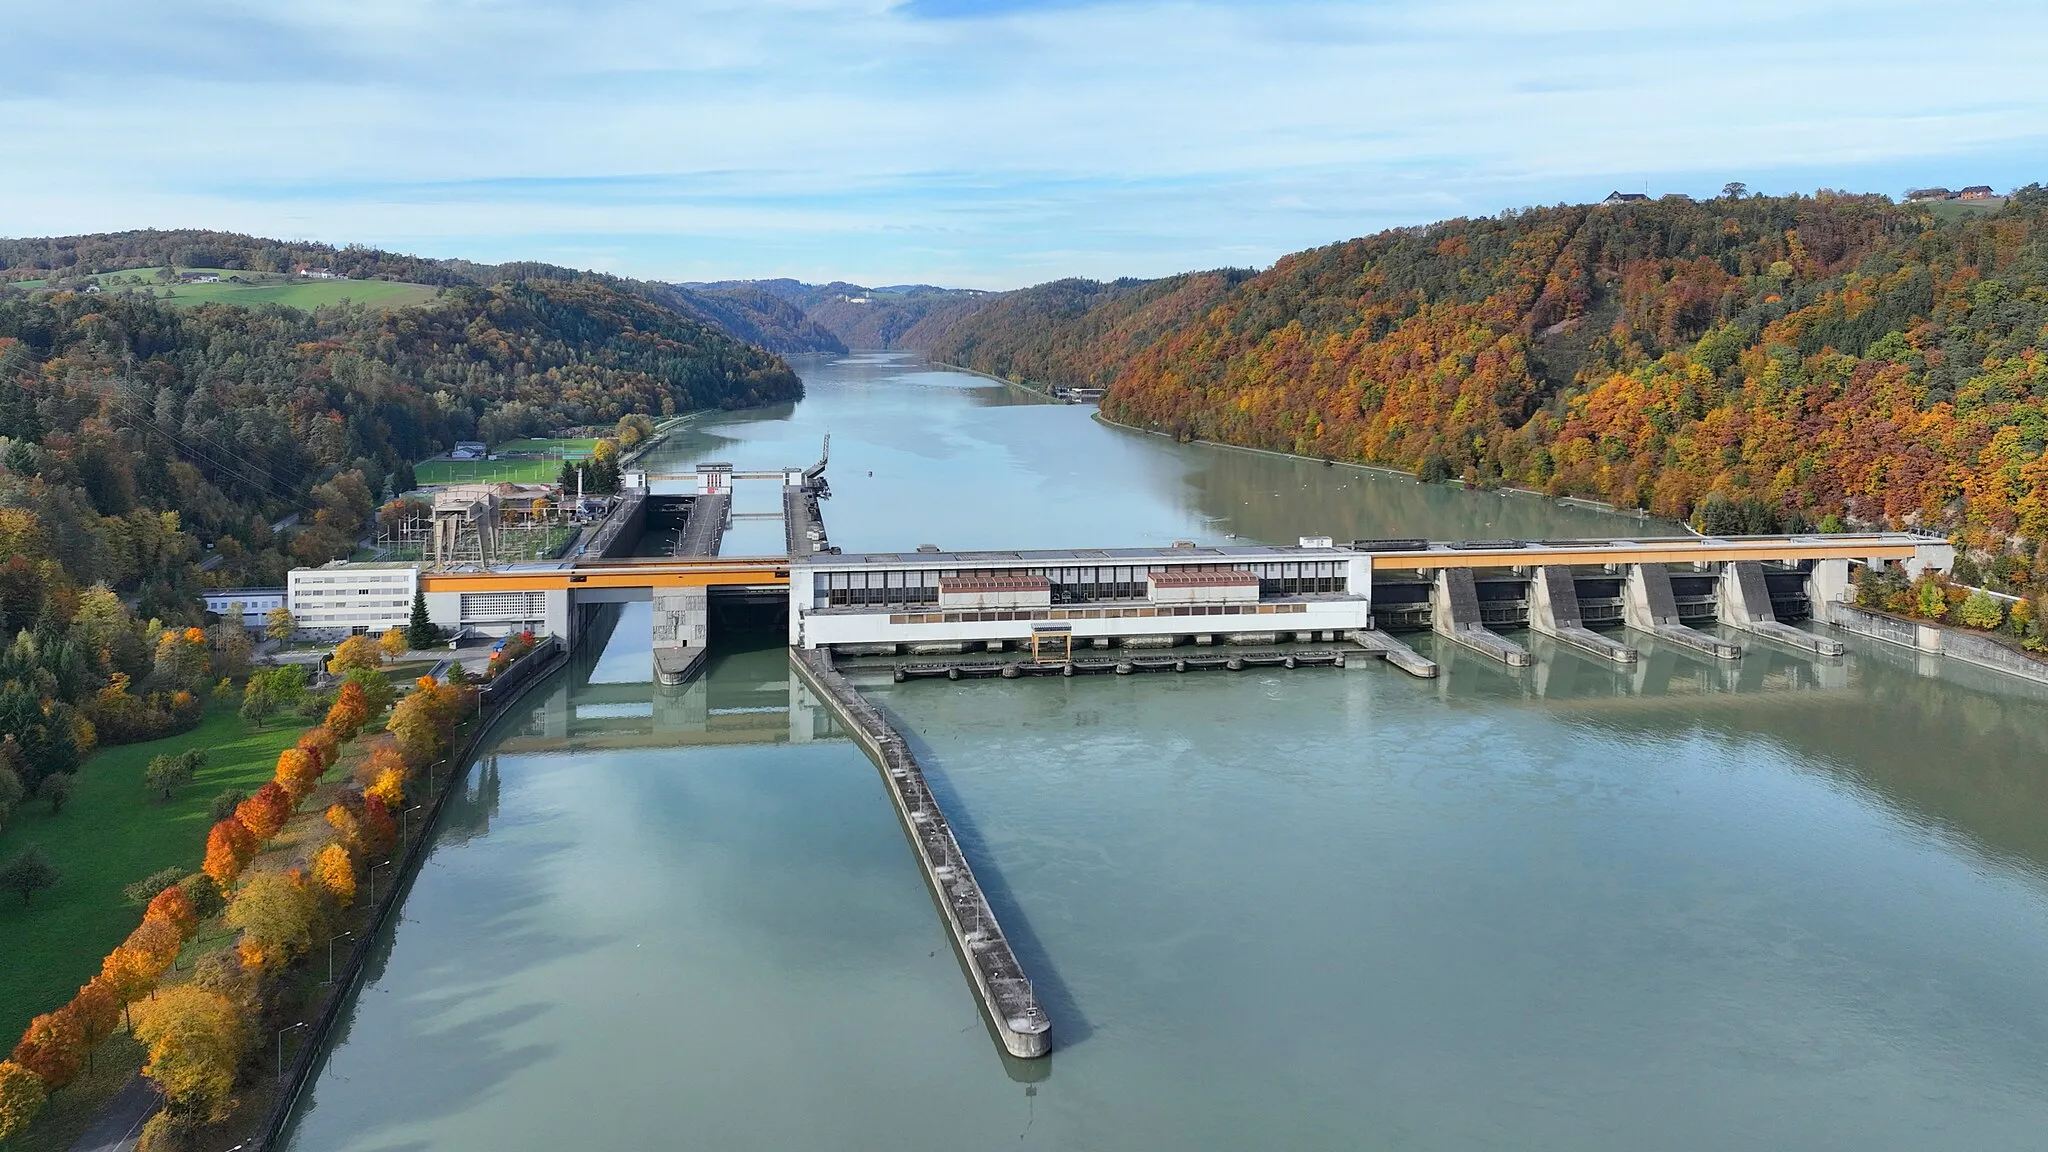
1006,996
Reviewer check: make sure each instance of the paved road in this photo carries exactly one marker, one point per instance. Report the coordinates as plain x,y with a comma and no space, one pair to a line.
121,1122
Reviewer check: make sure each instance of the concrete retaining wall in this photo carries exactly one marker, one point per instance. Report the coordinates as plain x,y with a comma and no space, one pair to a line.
1924,636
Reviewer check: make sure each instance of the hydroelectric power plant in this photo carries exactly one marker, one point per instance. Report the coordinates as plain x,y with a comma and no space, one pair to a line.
1626,810
1181,608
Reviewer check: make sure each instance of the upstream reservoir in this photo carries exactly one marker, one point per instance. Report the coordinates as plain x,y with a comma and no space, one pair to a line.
1784,902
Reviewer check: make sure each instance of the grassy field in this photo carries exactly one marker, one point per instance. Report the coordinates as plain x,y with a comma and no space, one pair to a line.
1950,210
543,465
560,448
264,288
542,471
110,835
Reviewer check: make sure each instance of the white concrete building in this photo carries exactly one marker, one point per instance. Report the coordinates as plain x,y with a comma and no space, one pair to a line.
1133,596
256,603
340,599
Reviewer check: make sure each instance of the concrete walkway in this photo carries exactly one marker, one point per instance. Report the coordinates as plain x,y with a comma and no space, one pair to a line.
121,1122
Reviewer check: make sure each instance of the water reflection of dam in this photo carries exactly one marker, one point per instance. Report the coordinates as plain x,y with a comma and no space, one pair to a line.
608,698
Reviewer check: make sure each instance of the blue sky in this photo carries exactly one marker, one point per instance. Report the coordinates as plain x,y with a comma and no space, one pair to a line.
982,143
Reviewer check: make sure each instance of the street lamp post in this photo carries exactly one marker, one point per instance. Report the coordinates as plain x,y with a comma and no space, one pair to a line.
330,953
280,1044
373,880
405,832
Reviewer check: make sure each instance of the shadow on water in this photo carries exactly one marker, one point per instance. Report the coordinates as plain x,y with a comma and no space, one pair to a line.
1070,1026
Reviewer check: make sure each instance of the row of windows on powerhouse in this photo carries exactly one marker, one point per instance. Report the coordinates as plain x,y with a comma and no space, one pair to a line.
1078,576
1078,593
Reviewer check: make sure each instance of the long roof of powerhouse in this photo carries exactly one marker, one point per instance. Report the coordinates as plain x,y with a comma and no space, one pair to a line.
1390,549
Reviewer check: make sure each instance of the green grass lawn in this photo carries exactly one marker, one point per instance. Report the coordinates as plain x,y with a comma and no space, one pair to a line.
543,469
560,448
266,288
1952,210
429,472
307,295
111,835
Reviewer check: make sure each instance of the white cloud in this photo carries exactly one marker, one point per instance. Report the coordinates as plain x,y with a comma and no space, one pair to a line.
856,138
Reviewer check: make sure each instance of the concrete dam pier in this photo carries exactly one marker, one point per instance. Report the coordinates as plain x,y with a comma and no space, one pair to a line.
1007,999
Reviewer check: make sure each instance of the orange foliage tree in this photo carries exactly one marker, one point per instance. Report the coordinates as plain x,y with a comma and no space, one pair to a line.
97,1008
334,872
174,907
298,773
349,712
345,824
159,941
322,744
128,974
53,1048
229,848
424,722
388,788
273,805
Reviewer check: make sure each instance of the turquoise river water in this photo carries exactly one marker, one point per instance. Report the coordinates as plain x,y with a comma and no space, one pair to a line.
1784,903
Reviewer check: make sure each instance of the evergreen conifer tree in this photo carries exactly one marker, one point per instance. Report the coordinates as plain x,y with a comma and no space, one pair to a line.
421,632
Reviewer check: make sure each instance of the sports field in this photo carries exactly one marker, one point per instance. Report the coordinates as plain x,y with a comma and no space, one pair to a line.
539,462
533,471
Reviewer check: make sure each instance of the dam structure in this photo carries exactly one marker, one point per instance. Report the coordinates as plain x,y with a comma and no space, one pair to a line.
1189,606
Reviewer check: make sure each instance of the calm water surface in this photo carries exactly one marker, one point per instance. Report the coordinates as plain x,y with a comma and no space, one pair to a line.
1784,903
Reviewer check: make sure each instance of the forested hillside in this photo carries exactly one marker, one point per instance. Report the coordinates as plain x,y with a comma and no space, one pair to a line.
1805,359
1074,332
756,317
134,436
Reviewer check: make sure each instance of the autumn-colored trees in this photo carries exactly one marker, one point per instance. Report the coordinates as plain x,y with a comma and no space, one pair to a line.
196,1039
1829,358
356,652
21,1097
97,1008
323,744
349,712
174,907
197,1028
128,974
275,913
334,872
393,643
53,1048
229,847
424,721
265,812
298,773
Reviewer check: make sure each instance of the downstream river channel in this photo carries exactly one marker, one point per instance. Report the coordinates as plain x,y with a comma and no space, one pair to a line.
1785,903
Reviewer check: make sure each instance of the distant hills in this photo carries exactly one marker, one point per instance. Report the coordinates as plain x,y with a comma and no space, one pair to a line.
856,317
1808,360
776,315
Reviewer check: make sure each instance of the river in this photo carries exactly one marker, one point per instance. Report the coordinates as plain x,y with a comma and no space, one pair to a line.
1781,903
